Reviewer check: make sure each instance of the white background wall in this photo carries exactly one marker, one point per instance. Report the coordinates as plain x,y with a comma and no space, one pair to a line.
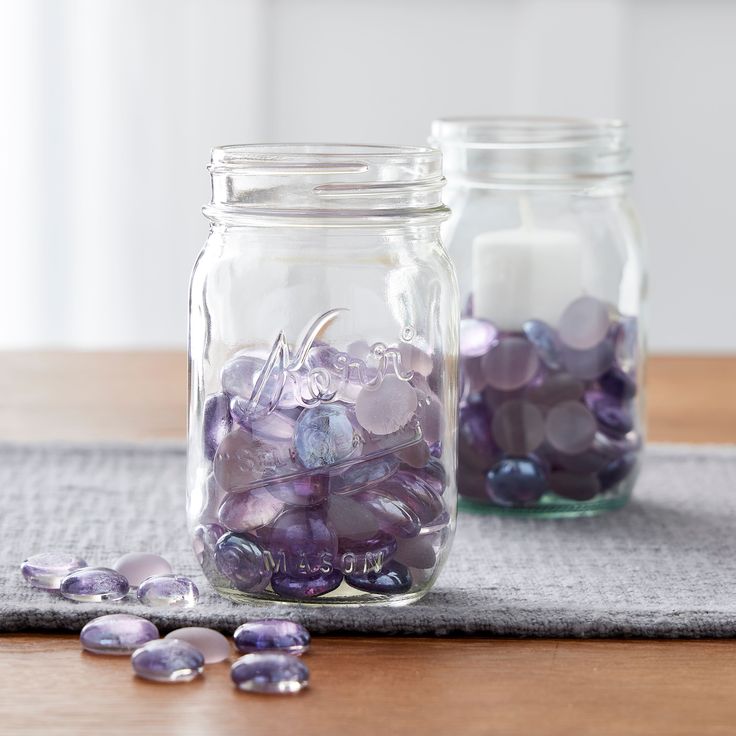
109,108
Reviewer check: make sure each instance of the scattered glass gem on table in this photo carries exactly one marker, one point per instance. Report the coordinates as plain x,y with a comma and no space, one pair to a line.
94,584
212,644
269,673
168,660
47,569
137,566
168,591
272,634
117,633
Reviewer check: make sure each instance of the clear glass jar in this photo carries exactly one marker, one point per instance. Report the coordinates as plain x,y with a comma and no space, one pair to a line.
323,371
549,261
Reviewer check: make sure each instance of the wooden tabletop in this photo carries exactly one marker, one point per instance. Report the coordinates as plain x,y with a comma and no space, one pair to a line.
360,685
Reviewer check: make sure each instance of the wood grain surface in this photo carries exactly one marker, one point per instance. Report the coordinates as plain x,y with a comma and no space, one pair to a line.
360,685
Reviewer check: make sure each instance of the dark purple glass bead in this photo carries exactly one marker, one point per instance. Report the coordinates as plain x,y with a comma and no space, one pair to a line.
476,446
574,486
408,487
168,660
118,633
299,588
243,512
304,541
618,384
617,470
591,363
394,516
94,584
242,561
516,482
361,555
272,635
511,363
216,423
518,427
308,489
324,435
271,673
47,569
363,474
613,418
545,340
476,337
393,579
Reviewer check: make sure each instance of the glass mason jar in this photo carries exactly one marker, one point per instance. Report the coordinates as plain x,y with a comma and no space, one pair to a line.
549,261
323,371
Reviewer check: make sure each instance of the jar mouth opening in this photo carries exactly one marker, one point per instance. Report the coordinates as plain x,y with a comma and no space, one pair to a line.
523,133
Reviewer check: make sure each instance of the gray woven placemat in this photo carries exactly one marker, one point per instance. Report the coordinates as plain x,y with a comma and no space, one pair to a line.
663,566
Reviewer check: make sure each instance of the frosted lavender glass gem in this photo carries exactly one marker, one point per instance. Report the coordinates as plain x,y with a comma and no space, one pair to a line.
364,474
272,635
304,540
516,482
545,340
407,487
94,584
47,569
118,633
570,427
618,384
301,588
510,364
262,672
476,446
476,337
518,427
168,660
242,512
613,418
387,408
216,423
574,486
416,455
137,566
241,560
350,518
555,388
418,552
431,417
589,364
324,435
239,375
358,556
308,489
617,470
168,591
393,579
416,359
212,644
394,516
584,323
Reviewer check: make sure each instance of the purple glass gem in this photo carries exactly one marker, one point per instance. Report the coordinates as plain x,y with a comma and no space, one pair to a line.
416,455
518,427
435,450
168,591
118,633
361,555
516,482
584,323
545,340
617,470
386,408
570,427
349,518
575,486
394,516
212,644
239,375
408,487
168,660
307,489
476,446
363,474
394,578
416,359
299,588
555,388
613,418
47,569
618,384
205,539
431,417
589,364
94,584
263,672
303,541
242,561
325,435
243,512
510,364
274,635
216,423
433,473
137,566
277,426
476,337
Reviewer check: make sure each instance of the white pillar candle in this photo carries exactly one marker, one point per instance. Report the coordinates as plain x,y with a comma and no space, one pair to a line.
526,273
